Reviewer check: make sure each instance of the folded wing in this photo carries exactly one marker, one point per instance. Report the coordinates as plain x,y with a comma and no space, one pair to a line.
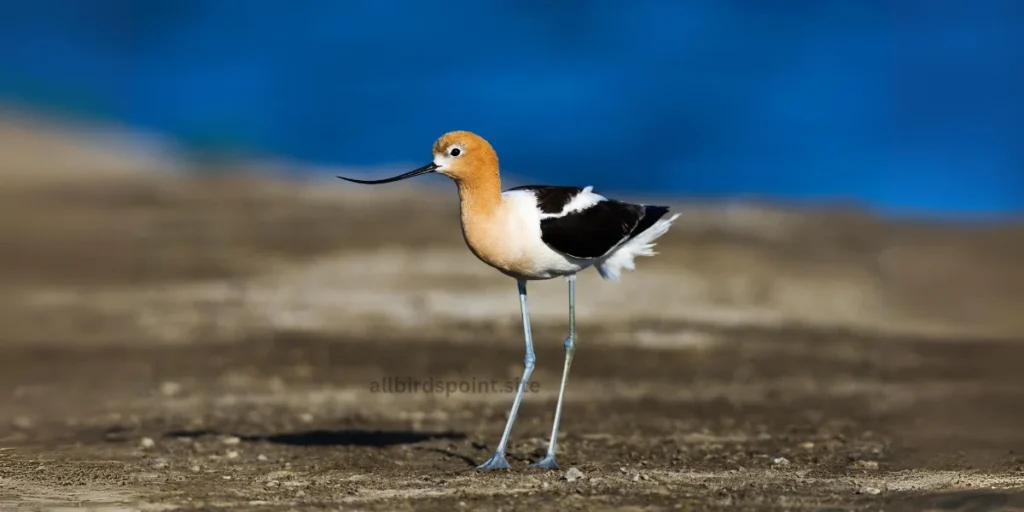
579,223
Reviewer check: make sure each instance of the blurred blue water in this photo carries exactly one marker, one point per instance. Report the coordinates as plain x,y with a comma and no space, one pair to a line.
908,106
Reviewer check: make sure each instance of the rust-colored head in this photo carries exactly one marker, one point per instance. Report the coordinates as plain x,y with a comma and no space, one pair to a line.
463,156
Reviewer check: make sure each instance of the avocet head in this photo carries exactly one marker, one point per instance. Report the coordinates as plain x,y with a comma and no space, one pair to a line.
462,156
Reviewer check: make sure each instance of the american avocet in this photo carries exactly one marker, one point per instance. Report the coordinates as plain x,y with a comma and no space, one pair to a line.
539,232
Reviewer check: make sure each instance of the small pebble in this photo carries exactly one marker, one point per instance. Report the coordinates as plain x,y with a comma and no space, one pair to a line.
231,440
634,476
147,442
261,457
231,454
572,475
544,485
159,463
865,464
869,490
780,461
300,493
306,417
807,445
195,468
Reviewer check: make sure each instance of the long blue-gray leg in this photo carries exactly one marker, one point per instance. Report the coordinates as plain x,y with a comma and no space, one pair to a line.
570,348
497,461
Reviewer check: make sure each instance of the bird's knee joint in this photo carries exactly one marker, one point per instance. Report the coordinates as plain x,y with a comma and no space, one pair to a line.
529,361
570,344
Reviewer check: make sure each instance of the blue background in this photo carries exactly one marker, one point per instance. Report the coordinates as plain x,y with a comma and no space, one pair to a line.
911,107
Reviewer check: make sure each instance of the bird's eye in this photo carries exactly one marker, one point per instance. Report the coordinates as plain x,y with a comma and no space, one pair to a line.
455,152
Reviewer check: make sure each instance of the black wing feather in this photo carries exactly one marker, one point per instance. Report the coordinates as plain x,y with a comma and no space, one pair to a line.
551,199
592,232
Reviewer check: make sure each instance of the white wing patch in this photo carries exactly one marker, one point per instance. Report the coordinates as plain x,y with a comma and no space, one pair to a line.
585,199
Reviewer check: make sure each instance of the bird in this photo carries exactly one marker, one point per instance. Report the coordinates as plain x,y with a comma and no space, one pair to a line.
538,232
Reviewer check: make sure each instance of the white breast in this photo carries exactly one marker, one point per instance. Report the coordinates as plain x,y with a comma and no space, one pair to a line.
520,218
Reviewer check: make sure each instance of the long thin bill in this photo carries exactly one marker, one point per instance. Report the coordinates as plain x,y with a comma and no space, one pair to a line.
429,168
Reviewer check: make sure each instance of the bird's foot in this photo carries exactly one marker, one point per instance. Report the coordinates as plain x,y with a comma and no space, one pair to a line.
497,461
548,462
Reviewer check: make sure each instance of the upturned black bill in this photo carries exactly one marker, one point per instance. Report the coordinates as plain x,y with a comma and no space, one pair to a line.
426,169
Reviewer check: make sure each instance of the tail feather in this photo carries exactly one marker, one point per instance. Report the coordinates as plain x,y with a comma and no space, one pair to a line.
651,227
652,214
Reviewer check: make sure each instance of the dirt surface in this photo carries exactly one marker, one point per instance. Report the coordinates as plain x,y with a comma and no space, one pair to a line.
793,419
172,343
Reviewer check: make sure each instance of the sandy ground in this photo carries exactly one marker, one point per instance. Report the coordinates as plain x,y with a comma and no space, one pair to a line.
169,342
